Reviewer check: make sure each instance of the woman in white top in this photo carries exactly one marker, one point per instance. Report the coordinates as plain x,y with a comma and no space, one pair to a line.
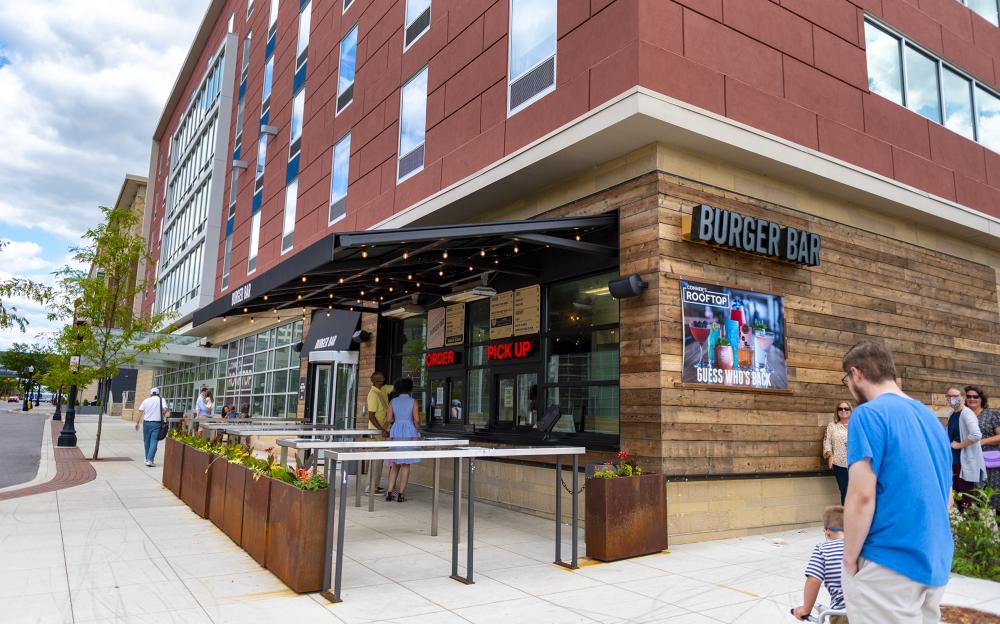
835,446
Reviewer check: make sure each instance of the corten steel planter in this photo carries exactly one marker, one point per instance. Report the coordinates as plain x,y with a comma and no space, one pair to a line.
253,537
295,536
626,517
194,480
217,474
232,521
173,459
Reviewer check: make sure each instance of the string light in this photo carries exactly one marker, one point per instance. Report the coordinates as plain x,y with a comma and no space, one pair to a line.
251,319
445,255
329,307
440,273
362,293
409,276
328,314
224,319
376,279
390,289
516,249
364,253
482,253
418,284
300,297
471,269
341,280
406,255
244,310
577,237
303,279
496,262
329,296
265,297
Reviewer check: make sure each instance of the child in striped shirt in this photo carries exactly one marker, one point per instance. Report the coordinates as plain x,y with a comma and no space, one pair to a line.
825,566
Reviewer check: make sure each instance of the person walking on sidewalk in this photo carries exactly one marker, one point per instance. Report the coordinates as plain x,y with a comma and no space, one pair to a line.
151,412
897,539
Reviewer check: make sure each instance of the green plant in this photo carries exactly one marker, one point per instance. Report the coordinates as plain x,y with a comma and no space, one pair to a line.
723,342
759,324
977,537
627,468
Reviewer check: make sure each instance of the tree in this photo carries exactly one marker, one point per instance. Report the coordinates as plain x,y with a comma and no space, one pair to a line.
108,335
20,356
19,287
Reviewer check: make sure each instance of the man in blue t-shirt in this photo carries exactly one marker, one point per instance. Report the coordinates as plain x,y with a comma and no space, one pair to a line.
897,542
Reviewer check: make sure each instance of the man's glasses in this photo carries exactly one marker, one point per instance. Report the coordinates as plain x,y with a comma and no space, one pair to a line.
844,378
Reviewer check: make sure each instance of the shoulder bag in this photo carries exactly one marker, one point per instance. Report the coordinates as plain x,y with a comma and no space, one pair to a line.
162,433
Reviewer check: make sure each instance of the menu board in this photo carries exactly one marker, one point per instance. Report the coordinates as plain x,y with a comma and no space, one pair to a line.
502,315
454,325
435,328
527,310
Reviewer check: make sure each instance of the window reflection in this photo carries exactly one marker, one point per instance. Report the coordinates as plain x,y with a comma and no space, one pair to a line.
922,84
957,103
989,118
532,34
884,73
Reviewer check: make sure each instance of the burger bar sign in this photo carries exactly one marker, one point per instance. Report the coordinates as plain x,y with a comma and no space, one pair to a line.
723,228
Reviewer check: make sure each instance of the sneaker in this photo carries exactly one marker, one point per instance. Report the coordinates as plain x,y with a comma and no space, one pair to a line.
378,490
149,463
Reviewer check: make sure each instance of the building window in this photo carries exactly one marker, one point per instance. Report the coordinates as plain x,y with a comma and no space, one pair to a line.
288,227
254,242
266,92
412,125
532,63
227,258
272,19
409,345
246,55
338,179
261,156
295,134
418,21
988,9
302,50
345,77
347,5
231,22
581,355
249,7
902,71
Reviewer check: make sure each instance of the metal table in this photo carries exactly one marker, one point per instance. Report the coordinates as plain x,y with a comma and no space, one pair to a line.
245,432
194,423
323,445
335,457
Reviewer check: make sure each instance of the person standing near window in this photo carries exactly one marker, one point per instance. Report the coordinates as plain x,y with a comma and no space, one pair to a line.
378,406
199,406
835,446
967,467
404,421
151,412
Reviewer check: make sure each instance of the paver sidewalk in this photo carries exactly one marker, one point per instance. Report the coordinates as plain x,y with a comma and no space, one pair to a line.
123,549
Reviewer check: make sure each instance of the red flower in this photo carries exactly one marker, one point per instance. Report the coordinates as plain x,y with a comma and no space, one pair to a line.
622,455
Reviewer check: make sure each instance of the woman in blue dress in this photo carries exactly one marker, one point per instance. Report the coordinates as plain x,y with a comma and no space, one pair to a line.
404,419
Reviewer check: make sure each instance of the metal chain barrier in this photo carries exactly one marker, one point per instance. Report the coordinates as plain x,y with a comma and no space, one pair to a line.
570,490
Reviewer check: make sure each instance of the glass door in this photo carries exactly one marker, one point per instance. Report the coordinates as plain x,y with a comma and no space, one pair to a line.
345,390
517,400
323,394
445,400
506,389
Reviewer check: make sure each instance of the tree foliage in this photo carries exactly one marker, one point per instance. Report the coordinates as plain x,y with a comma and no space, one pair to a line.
19,287
107,334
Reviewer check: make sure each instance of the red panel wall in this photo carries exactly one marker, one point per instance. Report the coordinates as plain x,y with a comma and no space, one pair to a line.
795,68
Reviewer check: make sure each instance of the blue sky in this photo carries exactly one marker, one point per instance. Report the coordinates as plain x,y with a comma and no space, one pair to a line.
81,86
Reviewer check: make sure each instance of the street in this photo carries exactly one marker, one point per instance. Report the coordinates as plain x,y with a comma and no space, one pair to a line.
20,442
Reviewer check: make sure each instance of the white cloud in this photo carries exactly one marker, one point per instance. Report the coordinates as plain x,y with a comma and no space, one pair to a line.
82,85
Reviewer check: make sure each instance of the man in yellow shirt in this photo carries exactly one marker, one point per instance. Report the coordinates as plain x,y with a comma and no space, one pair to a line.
378,406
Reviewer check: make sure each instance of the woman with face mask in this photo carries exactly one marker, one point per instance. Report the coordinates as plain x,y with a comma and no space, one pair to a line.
967,466
989,426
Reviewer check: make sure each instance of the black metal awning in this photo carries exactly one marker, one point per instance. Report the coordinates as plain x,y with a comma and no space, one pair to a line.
375,269
331,331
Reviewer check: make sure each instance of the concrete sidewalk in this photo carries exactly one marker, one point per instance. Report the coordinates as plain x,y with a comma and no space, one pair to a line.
123,549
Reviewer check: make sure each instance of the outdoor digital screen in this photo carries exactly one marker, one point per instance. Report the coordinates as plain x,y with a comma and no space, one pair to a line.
733,338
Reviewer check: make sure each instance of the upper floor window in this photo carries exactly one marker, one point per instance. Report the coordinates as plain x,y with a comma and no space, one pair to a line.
288,222
412,125
301,51
988,9
532,63
261,155
246,55
231,22
338,178
268,78
347,5
345,77
295,135
249,7
902,71
272,18
418,20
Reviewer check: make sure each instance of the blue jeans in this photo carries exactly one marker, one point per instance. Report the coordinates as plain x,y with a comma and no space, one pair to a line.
841,475
150,429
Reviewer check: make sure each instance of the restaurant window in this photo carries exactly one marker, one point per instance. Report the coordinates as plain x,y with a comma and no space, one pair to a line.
479,388
581,361
259,374
409,345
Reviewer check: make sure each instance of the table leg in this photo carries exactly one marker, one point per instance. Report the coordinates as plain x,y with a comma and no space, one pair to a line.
576,508
434,497
371,484
559,560
455,514
284,456
341,529
331,496
472,511
357,484
300,461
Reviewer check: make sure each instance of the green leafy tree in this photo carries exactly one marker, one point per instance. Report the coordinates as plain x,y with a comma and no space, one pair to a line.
21,356
19,287
105,332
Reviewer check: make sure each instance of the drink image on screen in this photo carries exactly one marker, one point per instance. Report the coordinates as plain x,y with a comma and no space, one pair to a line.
724,354
713,339
764,341
700,331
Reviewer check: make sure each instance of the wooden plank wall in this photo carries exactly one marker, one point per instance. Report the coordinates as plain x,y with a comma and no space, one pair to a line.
937,313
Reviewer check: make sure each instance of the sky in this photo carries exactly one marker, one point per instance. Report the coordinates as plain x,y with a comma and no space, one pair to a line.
82,85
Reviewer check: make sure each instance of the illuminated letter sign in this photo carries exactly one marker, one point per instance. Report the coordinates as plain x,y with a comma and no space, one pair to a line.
443,358
515,350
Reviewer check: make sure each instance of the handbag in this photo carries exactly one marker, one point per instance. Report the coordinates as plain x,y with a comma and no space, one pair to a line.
992,459
162,433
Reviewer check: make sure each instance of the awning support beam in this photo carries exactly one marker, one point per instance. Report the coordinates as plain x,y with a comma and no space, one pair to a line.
571,245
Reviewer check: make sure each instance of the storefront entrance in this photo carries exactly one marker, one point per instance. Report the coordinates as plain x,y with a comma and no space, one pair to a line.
446,398
335,386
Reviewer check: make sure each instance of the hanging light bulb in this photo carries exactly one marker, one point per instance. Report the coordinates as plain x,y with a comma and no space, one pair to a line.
440,273
328,314
406,255
251,319
577,237
409,276
299,298
265,297
418,284
516,249
341,280
329,307
445,255
362,293
482,253
364,253
376,279
471,269
390,289
496,262
224,319
329,296
303,279
244,310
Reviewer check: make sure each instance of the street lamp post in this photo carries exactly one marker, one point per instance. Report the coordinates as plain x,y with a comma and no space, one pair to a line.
67,437
58,413
27,387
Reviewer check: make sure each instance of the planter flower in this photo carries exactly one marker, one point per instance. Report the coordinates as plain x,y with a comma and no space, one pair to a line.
626,512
